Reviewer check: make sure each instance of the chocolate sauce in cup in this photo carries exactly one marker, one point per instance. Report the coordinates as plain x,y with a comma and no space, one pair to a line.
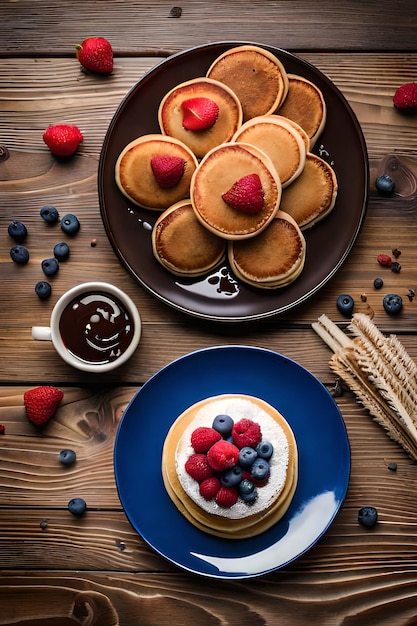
94,327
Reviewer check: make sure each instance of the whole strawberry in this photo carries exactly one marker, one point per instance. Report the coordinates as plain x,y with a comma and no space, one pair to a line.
95,55
41,403
62,139
405,98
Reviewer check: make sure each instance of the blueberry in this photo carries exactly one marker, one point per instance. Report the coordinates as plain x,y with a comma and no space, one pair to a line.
61,251
260,469
395,267
43,289
392,303
223,424
378,283
249,498
385,185
67,457
70,224
50,266
246,486
49,214
345,304
247,455
77,506
17,231
19,254
265,449
231,476
368,516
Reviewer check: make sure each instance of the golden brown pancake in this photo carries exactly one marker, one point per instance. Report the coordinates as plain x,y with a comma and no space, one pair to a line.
313,195
182,245
278,138
135,178
255,75
170,114
273,259
217,173
305,105
245,520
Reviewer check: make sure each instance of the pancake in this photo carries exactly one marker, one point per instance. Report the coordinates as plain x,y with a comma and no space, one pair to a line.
182,245
220,169
273,259
255,75
280,140
305,105
242,519
171,114
136,180
313,195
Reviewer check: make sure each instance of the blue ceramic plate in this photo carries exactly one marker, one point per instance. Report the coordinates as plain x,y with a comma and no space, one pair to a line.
324,459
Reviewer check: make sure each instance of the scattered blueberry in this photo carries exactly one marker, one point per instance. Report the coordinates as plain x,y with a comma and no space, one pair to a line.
67,457
19,254
231,477
260,469
392,466
247,455
61,251
392,303
49,214
18,231
378,283
345,304
385,185
246,486
77,506
395,267
43,289
223,424
70,224
265,449
368,516
50,266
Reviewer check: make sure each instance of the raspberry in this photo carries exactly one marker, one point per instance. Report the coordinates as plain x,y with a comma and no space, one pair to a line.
203,438
384,259
222,455
246,433
227,496
209,488
198,468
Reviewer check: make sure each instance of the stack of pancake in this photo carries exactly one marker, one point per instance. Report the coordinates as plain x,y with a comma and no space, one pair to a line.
271,136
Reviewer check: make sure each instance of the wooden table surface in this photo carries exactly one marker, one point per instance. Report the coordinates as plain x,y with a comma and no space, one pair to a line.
59,569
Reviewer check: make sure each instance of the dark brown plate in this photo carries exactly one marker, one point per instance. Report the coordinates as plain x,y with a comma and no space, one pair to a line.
218,296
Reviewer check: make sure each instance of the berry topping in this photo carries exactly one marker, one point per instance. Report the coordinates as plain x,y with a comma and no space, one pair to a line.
222,455
199,113
247,455
246,195
203,438
95,54
265,449
368,516
61,251
209,487
41,403
392,303
17,231
246,486
249,498
62,139
227,496
246,433
67,457
260,469
77,506
70,224
43,289
19,254
231,477
385,185
197,467
223,424
49,214
345,304
384,259
168,170
405,98
50,266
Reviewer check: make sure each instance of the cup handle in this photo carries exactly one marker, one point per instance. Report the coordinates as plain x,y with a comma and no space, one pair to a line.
41,333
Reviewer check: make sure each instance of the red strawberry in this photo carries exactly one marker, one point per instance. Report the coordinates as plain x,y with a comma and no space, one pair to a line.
168,170
95,55
62,139
222,455
203,438
227,496
405,98
246,195
245,432
199,113
198,468
209,488
41,403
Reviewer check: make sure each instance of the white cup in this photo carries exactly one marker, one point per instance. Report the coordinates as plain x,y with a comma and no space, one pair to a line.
98,332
